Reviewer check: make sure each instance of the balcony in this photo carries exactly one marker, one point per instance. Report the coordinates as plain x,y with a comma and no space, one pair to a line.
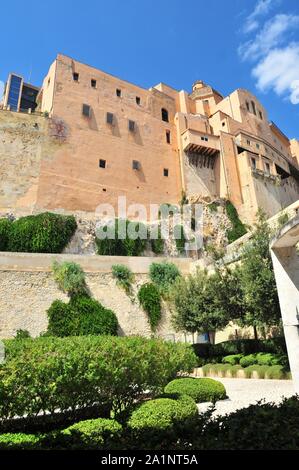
257,173
198,142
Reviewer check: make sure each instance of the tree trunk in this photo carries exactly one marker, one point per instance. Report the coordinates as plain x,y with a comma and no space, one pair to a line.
255,332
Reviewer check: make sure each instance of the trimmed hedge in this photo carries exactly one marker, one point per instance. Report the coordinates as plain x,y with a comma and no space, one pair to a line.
249,360
82,315
19,441
97,434
150,300
119,245
201,390
275,345
232,359
157,420
42,233
66,373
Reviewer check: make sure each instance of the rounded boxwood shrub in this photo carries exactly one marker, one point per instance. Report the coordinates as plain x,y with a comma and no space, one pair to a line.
122,244
200,390
268,359
156,420
5,228
81,316
164,274
42,233
150,300
249,360
98,433
232,359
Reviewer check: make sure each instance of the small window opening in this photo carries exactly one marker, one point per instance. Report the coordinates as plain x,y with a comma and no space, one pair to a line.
164,115
138,100
165,172
86,110
168,137
118,92
102,163
93,83
75,77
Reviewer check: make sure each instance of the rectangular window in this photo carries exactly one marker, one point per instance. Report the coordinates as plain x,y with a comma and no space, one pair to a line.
93,83
247,106
257,146
267,168
253,107
131,126
109,118
168,137
248,142
118,92
86,110
138,100
165,172
75,77
135,165
253,163
261,114
102,163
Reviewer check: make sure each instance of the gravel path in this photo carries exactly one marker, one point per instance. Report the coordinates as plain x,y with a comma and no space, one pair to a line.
244,392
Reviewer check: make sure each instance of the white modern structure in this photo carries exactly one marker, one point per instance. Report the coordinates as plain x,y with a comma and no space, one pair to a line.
286,268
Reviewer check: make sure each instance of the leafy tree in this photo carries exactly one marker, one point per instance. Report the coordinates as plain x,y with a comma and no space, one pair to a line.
257,281
199,305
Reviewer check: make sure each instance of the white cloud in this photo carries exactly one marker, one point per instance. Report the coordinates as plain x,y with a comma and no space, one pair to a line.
261,8
272,34
279,70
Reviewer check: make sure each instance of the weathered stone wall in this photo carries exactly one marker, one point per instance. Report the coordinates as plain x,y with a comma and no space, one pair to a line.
24,142
27,290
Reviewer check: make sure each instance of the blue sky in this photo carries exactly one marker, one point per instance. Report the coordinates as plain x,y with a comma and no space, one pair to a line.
251,44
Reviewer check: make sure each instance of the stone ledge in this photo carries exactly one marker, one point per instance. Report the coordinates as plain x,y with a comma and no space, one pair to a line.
42,262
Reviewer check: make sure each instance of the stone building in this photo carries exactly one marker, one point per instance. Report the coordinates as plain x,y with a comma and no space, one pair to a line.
106,138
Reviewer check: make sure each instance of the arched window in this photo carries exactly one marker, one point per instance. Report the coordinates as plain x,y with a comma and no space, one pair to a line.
164,114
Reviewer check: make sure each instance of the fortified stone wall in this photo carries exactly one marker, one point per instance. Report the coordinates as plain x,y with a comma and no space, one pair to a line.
27,289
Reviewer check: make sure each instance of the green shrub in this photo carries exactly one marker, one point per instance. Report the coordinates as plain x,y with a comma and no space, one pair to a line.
157,244
18,441
22,334
249,360
248,371
5,228
69,277
81,316
66,373
150,300
234,370
267,359
180,239
232,359
122,244
262,426
95,434
163,275
155,420
276,372
200,390
238,228
124,277
42,233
